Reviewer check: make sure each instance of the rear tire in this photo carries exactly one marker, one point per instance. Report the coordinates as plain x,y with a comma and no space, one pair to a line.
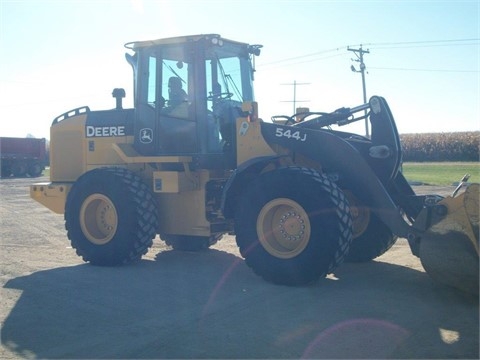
110,217
293,225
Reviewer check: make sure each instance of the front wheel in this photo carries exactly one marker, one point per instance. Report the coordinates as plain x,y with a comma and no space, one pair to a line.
371,237
110,217
375,241
293,225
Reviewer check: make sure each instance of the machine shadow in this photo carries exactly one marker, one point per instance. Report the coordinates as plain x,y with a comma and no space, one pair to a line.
210,305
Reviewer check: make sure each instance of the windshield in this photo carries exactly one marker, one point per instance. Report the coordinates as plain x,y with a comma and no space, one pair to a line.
229,73
226,79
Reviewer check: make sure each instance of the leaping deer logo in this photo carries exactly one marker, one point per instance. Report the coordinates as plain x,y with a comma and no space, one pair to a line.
146,135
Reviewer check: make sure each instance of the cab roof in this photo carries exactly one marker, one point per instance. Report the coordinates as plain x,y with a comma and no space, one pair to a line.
134,45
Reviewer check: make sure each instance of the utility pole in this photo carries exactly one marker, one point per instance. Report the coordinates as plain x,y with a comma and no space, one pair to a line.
295,95
359,53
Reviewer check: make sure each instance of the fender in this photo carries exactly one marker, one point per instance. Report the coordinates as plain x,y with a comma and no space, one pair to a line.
338,156
240,178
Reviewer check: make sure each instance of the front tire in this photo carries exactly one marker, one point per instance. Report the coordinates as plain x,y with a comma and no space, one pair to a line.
371,237
375,241
110,217
293,225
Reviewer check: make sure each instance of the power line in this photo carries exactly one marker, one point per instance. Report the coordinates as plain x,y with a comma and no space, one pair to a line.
426,70
306,55
281,63
420,46
422,42
379,45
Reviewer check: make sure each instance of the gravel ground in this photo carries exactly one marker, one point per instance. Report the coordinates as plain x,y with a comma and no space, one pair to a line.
210,305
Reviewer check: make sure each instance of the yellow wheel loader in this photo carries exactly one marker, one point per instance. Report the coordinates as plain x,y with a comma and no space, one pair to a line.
193,161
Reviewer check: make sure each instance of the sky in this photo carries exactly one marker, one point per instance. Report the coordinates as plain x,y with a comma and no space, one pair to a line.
423,56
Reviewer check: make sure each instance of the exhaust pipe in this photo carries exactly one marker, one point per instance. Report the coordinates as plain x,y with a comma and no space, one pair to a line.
118,94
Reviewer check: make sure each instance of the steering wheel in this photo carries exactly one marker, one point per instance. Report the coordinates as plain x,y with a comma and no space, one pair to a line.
219,96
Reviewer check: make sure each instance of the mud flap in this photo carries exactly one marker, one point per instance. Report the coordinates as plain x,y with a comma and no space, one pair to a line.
449,249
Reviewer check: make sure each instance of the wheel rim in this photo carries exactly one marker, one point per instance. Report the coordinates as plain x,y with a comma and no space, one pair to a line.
283,228
360,215
98,219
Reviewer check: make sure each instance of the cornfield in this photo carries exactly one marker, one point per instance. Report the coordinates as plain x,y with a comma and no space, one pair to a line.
455,146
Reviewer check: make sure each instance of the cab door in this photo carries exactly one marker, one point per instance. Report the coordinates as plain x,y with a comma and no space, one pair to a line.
165,120
177,116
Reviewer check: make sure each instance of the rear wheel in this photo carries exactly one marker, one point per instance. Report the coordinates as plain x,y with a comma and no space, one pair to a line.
110,217
293,226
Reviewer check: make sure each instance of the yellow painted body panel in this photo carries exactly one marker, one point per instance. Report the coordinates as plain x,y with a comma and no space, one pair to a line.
101,151
68,149
184,212
174,181
250,142
449,249
462,216
130,156
52,196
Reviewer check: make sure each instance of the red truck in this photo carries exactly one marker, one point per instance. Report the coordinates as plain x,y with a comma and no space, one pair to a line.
22,156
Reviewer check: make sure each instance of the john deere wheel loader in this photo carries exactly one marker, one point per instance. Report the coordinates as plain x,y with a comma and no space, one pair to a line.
195,162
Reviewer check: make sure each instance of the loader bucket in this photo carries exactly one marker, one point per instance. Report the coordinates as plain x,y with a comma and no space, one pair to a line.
449,249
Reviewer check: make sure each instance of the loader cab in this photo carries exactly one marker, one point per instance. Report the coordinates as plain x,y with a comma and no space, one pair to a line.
188,93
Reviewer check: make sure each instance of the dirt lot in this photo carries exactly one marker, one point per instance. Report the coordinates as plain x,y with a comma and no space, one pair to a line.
210,305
